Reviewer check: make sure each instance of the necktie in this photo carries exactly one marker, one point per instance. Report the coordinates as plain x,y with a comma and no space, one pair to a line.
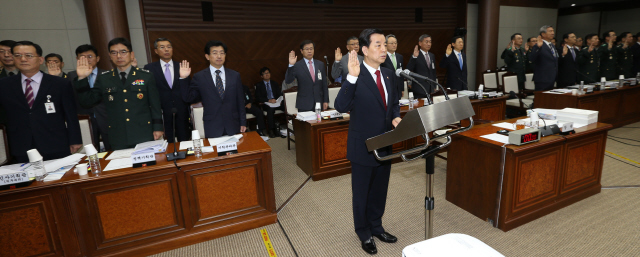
393,60
573,54
11,73
313,74
553,50
426,57
123,77
269,92
167,75
219,84
379,83
91,80
460,60
28,91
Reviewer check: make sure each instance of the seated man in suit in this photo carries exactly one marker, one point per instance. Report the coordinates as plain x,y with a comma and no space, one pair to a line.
394,61
220,90
165,71
544,58
423,62
253,109
43,112
311,76
455,61
268,90
339,68
54,65
98,114
370,94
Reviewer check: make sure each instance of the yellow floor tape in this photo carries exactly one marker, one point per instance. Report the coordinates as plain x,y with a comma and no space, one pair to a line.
267,243
622,157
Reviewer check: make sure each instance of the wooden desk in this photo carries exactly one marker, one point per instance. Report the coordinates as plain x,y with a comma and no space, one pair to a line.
321,147
141,211
617,107
539,178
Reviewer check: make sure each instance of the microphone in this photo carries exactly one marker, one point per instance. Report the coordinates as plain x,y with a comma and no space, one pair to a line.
465,83
326,62
175,155
410,73
592,81
400,73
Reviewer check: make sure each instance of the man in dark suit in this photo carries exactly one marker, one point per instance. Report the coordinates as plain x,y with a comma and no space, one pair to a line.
423,62
250,107
635,51
370,95
43,114
394,61
55,64
220,91
6,58
339,68
567,63
455,61
311,76
268,90
166,73
625,57
544,58
98,113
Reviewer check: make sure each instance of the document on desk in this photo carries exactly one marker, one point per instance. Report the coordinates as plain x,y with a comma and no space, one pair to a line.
186,144
224,139
119,154
59,164
119,164
497,137
276,104
505,125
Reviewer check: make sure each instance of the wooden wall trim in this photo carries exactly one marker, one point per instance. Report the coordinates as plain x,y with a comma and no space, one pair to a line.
536,4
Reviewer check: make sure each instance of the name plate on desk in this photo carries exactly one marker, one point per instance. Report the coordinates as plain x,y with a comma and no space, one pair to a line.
143,159
227,148
14,178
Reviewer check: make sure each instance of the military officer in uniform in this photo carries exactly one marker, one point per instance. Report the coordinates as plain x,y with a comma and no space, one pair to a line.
130,94
608,56
54,65
516,59
589,61
625,57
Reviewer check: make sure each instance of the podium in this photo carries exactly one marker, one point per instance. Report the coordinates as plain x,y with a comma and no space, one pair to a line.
420,122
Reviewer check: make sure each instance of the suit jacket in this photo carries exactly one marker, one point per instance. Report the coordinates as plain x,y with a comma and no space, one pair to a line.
340,68
100,110
309,92
567,67
170,97
635,50
50,132
454,73
389,65
545,65
220,114
419,65
261,91
368,116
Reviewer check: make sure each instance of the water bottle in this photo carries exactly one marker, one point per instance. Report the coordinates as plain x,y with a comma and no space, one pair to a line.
318,112
94,161
480,88
410,100
197,143
581,87
36,168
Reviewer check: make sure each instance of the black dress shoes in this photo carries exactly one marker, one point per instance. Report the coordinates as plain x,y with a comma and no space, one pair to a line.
277,133
260,132
387,238
369,246
271,135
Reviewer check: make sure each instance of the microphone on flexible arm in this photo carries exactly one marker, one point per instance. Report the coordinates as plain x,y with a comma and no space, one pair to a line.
413,74
465,83
400,73
326,61
175,155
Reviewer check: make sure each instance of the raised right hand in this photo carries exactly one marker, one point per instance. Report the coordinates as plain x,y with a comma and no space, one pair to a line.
539,43
509,45
82,68
449,50
53,69
354,64
292,58
591,47
610,42
416,52
185,70
338,54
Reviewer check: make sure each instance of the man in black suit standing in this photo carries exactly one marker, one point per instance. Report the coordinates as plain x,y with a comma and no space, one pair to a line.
567,64
268,90
370,95
635,50
455,61
544,58
165,71
311,75
220,91
98,113
339,68
43,113
394,61
423,62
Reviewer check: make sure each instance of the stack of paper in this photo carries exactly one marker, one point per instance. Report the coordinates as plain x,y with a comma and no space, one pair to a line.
497,137
157,146
119,154
306,116
119,164
224,139
577,116
276,104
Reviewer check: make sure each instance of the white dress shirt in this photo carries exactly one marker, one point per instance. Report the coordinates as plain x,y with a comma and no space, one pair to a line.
372,71
164,67
222,76
35,84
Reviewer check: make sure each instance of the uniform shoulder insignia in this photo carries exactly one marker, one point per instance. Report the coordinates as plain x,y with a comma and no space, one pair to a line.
144,70
105,72
585,48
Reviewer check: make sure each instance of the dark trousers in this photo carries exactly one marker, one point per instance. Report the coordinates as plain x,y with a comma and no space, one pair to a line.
182,126
259,115
23,158
99,131
270,113
369,187
543,86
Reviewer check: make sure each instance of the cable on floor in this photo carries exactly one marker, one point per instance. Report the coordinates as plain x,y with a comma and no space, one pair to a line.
288,240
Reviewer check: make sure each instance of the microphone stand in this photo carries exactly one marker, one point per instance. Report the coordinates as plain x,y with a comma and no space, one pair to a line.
404,75
175,155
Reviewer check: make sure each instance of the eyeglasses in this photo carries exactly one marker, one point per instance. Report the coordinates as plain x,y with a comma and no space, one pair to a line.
392,43
164,47
86,56
218,53
28,56
122,52
5,51
308,49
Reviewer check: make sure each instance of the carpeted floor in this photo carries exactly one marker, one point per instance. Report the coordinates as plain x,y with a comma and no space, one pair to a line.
318,220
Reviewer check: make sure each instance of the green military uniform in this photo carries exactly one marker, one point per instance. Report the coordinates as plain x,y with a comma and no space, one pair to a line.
4,73
588,65
625,61
133,109
516,61
608,62
529,66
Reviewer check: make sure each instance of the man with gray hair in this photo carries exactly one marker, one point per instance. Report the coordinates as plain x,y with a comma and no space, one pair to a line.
423,62
544,58
339,67
394,61
167,75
